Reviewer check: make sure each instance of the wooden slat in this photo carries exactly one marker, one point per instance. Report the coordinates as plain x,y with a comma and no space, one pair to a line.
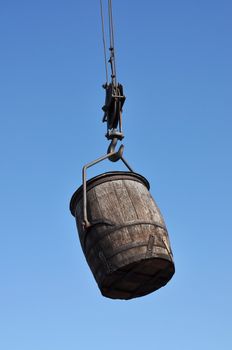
110,206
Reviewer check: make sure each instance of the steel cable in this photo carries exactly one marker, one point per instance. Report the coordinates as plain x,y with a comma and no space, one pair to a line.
111,34
104,41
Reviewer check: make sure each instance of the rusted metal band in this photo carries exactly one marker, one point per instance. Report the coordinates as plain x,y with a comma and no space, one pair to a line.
119,227
138,222
136,245
138,258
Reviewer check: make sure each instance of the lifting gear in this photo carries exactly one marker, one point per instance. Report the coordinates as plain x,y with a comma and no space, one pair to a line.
113,110
114,99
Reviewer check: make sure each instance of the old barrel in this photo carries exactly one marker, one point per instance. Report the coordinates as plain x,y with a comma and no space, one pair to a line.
127,245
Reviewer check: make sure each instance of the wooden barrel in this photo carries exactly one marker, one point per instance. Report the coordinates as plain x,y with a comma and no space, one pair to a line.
127,245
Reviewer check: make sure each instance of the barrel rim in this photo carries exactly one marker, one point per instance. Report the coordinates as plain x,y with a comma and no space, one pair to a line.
105,177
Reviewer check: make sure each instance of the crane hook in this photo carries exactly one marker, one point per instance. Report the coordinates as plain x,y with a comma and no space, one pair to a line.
111,149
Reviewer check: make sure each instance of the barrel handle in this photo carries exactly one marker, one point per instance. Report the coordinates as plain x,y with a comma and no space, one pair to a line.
86,224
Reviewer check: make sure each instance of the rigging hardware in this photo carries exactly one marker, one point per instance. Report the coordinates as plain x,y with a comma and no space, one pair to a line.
114,98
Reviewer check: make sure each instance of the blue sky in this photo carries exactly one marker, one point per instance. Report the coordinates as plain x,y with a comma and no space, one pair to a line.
174,59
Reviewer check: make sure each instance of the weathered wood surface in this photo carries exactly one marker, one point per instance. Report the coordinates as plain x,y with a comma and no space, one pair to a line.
127,248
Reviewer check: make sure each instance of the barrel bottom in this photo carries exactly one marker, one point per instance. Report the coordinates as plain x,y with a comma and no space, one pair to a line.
137,279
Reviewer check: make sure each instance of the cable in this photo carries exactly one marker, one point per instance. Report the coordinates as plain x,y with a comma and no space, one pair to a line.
104,41
112,48
111,29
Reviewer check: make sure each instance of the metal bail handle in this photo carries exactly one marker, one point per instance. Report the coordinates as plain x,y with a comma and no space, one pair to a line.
116,155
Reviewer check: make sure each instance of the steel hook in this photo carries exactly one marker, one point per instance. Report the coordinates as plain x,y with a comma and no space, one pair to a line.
111,149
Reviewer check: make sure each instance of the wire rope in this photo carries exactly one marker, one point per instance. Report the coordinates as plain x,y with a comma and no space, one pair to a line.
104,41
112,48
